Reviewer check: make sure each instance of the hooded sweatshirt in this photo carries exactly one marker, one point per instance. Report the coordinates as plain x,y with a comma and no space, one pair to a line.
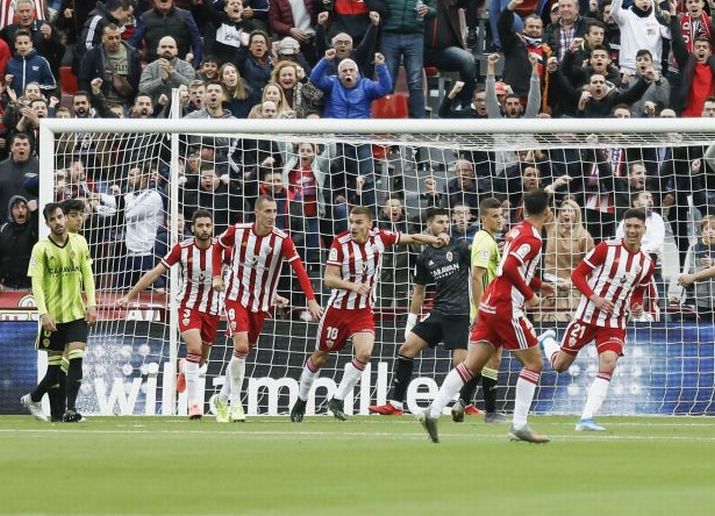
16,242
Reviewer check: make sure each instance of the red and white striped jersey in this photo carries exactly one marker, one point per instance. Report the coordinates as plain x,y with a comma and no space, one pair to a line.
359,263
196,276
255,264
522,242
616,274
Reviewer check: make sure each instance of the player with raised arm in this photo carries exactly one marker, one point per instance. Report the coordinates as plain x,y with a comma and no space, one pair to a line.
485,260
61,269
352,273
259,250
502,322
199,305
446,266
613,279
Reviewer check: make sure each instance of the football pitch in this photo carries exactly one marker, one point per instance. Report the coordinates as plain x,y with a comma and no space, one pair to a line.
367,465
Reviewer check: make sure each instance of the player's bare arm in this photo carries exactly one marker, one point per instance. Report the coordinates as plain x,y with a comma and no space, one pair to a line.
422,239
332,279
686,280
144,282
418,297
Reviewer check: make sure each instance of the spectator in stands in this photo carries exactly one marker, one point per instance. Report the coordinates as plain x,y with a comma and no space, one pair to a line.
342,42
640,28
253,60
476,109
297,19
113,11
598,98
613,31
659,90
166,72
517,48
697,72
462,189
694,23
257,12
287,75
445,48
240,97
512,104
462,227
351,17
29,122
396,264
28,66
165,19
227,31
271,92
15,170
571,25
81,105
403,41
567,243
196,97
599,62
46,39
116,63
703,257
17,237
209,69
217,193
214,104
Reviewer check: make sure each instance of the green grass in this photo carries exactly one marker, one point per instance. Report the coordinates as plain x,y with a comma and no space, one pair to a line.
367,465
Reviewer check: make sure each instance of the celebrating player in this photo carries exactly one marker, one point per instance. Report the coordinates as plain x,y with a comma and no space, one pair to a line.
447,266
502,322
352,271
612,279
255,265
485,260
199,305
61,268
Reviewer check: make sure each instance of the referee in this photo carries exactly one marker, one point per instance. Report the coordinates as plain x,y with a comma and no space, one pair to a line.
448,268
61,269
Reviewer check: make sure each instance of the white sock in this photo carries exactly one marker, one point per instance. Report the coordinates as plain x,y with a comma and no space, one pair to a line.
455,380
191,372
551,347
225,388
307,377
351,377
596,395
237,370
525,389
397,404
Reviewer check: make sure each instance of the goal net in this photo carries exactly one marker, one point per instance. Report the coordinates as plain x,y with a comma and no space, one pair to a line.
143,179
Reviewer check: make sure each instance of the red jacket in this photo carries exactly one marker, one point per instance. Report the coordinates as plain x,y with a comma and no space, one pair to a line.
280,16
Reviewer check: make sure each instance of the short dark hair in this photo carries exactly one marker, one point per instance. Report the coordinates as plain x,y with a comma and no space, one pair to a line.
434,212
361,210
210,59
259,32
50,208
80,93
113,5
634,213
536,202
72,205
598,47
199,214
490,203
702,39
595,23
643,52
263,199
23,32
19,136
110,26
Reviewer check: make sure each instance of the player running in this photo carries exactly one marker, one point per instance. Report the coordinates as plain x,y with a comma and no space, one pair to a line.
199,305
352,272
61,269
612,279
502,322
259,250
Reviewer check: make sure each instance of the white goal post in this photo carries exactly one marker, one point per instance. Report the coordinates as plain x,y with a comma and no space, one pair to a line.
414,150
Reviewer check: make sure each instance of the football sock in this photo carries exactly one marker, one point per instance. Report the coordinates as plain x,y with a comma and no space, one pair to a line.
74,377
455,380
351,377
401,380
466,393
53,389
191,372
525,389
307,377
226,387
237,370
64,367
551,348
489,387
596,395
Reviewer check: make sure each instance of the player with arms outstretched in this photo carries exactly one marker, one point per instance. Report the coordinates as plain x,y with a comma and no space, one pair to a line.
199,305
352,272
61,269
613,279
502,322
259,250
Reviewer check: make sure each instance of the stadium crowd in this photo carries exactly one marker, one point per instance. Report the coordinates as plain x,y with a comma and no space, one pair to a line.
351,59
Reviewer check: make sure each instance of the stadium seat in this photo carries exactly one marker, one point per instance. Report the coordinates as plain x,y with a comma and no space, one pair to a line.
68,81
391,106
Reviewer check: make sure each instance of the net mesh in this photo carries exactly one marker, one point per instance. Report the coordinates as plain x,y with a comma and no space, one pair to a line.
126,181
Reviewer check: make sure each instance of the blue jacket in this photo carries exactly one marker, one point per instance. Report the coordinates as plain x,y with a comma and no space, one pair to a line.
341,102
31,68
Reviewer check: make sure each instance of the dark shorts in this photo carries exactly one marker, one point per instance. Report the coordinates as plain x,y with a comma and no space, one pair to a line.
75,331
453,330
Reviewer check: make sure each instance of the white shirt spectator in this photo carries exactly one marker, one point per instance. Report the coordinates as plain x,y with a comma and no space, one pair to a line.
638,33
652,242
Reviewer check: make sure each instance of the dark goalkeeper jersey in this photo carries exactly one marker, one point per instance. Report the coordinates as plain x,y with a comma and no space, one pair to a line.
448,269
